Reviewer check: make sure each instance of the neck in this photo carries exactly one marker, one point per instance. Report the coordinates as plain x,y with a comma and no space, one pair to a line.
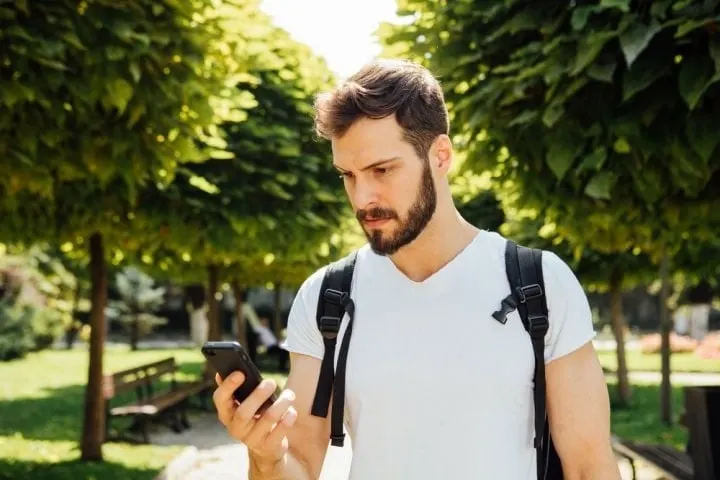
445,236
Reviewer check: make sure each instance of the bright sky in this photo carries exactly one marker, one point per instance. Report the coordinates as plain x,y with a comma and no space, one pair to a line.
339,30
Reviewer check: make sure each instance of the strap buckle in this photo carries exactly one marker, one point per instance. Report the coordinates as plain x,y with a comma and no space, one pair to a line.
538,325
529,292
338,440
335,296
330,326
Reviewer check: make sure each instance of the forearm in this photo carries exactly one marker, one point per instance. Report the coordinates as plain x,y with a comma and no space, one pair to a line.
604,467
287,468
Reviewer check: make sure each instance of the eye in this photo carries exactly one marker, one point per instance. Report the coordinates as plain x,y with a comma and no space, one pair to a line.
344,175
380,171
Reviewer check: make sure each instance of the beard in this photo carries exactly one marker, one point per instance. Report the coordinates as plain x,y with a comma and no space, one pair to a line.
409,228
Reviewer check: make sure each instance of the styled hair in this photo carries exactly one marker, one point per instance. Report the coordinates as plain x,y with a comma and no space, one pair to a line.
383,88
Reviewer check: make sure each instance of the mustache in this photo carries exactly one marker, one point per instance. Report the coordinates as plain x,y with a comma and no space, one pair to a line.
376,213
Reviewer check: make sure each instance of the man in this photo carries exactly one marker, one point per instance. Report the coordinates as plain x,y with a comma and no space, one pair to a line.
423,402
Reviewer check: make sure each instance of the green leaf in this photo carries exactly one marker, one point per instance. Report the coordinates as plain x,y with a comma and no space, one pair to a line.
714,49
594,161
690,25
695,75
621,145
636,38
561,155
600,185
623,5
119,93
702,134
580,16
602,71
552,114
589,48
643,73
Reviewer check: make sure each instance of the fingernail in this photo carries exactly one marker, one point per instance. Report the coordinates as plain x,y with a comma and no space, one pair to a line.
289,394
268,384
290,418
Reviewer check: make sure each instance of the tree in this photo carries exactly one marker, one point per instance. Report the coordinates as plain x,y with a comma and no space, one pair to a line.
262,215
99,99
561,103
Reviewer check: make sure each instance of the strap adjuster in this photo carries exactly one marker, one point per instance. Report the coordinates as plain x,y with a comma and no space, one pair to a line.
529,292
329,326
538,324
338,440
335,296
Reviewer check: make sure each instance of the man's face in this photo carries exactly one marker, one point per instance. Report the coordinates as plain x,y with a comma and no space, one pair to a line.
392,190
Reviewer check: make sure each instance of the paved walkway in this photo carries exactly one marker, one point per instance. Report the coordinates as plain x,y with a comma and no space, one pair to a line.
211,453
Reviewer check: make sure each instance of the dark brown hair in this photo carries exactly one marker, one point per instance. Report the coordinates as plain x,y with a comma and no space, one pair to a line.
383,88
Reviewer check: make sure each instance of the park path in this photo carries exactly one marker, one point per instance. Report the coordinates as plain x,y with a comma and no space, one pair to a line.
212,454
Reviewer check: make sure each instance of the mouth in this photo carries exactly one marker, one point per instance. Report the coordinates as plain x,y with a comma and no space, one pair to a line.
376,223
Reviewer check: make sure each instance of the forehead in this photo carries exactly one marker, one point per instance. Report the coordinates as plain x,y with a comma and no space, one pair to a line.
368,141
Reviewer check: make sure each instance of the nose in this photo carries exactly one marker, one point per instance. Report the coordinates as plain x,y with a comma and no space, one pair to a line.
364,194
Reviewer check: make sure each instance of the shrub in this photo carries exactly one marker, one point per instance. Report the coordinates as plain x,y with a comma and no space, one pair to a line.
678,343
709,347
16,333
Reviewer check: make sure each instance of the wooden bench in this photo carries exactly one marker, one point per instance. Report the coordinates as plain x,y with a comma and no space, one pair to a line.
152,400
702,460
674,464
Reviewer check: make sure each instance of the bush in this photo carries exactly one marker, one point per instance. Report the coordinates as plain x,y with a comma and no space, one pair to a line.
678,343
47,326
24,328
16,332
709,347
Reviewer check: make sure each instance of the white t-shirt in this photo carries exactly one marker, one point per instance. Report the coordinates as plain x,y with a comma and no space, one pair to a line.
435,386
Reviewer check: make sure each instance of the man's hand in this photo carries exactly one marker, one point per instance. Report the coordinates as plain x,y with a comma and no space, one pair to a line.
265,434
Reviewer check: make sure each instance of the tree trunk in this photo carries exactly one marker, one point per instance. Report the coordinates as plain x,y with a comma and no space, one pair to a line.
239,318
93,432
277,321
665,327
214,331
71,332
134,333
617,320
213,317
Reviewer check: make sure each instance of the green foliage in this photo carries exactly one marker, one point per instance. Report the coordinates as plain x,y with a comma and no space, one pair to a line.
263,214
139,298
100,97
597,115
16,334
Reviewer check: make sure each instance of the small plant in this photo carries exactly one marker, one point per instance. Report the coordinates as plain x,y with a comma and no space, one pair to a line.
139,299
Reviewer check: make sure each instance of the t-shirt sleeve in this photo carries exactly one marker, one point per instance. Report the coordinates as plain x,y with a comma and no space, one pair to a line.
570,317
302,334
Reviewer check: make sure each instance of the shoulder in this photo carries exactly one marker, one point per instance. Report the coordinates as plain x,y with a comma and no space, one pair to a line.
309,291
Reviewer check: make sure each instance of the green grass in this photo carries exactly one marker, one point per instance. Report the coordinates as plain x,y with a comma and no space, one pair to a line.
641,420
41,408
679,362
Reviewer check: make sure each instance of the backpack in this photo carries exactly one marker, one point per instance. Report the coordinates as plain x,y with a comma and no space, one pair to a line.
524,274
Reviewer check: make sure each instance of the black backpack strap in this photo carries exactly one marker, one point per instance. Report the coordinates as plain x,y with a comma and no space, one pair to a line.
525,275
333,303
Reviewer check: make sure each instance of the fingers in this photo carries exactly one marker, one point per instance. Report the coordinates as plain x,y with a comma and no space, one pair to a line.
247,410
276,436
275,414
223,396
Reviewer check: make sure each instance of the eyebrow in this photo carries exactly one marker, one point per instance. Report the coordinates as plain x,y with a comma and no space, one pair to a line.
379,163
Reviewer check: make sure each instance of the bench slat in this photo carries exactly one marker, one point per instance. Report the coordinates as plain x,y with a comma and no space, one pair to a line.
670,461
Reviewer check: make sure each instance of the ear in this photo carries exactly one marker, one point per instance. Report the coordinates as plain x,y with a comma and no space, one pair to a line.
441,154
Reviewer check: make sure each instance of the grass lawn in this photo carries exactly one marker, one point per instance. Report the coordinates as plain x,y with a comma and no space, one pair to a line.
41,407
679,362
641,421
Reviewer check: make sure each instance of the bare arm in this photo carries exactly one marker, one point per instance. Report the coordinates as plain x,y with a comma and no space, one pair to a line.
308,438
579,416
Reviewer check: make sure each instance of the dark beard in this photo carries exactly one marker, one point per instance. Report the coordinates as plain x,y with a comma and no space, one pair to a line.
417,219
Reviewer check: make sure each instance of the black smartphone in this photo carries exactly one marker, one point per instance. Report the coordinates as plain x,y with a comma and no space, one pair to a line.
227,357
